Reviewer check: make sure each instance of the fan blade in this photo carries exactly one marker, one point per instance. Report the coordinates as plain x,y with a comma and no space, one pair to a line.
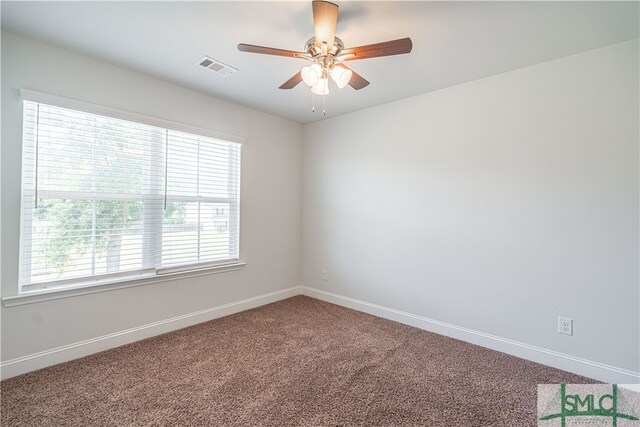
242,47
357,81
325,19
393,47
292,82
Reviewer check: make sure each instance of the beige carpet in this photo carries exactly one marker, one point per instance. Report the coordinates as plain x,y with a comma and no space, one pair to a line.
298,362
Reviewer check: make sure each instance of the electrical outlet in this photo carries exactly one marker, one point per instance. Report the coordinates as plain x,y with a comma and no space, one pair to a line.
565,325
324,274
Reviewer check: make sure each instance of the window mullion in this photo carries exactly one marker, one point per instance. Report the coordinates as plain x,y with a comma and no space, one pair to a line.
198,194
94,221
93,236
234,200
152,204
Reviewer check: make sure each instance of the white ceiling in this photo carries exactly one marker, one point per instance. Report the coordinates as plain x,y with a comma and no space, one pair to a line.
453,42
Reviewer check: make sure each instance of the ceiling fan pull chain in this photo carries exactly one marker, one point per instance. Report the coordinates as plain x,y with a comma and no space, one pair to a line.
324,112
313,102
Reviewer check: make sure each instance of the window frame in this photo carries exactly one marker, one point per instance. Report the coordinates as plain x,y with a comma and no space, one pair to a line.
143,274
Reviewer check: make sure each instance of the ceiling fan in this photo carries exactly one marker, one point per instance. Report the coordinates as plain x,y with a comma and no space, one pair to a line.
327,53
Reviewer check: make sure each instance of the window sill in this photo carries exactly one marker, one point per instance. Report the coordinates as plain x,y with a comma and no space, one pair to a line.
92,288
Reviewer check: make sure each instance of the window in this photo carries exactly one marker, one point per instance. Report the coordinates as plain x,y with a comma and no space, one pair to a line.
104,197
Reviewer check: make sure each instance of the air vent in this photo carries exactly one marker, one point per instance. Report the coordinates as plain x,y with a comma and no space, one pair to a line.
217,66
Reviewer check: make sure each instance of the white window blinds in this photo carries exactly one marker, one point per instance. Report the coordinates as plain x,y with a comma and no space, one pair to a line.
104,197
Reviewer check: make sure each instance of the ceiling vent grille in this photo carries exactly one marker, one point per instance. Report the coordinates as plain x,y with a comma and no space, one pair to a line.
216,66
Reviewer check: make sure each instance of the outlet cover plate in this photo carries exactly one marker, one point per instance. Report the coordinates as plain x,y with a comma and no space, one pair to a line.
565,325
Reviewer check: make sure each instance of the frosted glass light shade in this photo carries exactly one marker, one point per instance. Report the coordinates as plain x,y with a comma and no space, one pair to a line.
341,76
311,74
321,88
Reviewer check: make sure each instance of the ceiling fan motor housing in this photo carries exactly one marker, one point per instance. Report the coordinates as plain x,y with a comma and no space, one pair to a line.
312,49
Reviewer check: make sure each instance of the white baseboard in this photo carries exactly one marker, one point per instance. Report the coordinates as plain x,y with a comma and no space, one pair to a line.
588,368
32,362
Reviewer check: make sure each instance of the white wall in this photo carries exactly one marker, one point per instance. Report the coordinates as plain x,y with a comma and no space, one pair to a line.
270,211
495,205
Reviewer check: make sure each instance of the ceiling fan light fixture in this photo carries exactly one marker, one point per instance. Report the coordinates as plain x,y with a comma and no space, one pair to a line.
341,76
311,74
326,52
321,88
